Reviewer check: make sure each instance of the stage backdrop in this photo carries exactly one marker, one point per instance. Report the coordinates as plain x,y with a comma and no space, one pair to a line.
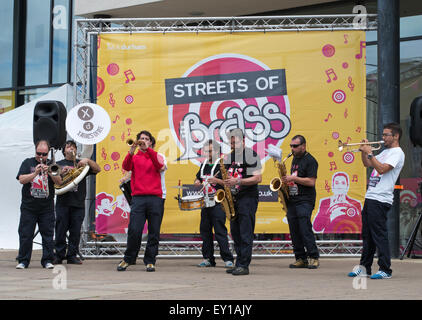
185,88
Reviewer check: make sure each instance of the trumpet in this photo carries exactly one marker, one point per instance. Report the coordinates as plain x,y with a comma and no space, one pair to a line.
54,168
131,141
374,147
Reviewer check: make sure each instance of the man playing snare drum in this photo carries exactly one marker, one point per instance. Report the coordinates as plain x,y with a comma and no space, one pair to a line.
212,215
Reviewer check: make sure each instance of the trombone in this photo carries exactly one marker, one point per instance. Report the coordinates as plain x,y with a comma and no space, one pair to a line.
374,147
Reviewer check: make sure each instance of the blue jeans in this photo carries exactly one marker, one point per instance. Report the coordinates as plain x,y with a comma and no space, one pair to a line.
144,208
242,230
303,239
375,235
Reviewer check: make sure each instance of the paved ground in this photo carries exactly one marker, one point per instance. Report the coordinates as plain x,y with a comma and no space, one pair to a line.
180,279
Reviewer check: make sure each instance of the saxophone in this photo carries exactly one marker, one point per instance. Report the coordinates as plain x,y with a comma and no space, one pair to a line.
277,184
224,196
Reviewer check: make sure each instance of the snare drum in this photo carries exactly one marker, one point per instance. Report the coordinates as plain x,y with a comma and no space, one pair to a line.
193,202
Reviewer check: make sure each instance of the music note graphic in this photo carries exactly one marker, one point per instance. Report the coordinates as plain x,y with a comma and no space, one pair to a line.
127,74
327,186
111,100
358,129
115,119
123,136
345,113
345,38
116,166
329,72
103,154
351,85
333,166
328,117
355,178
128,132
362,45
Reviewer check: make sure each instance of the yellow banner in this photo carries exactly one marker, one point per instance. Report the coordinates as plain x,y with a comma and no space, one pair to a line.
186,88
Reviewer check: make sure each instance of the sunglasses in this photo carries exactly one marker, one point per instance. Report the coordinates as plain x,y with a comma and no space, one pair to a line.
295,145
42,154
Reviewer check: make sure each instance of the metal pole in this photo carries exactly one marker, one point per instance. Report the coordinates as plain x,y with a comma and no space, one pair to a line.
389,93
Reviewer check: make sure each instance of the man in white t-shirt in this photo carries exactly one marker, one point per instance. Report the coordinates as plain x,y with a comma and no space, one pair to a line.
378,201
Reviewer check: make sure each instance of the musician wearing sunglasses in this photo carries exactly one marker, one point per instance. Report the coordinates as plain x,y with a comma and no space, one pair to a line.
378,201
37,206
212,215
70,207
302,196
145,166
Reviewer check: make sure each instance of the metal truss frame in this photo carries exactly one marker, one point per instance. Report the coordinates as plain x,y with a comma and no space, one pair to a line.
84,44
192,249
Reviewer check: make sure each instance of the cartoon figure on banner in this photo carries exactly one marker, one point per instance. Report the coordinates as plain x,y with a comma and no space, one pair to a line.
338,213
111,216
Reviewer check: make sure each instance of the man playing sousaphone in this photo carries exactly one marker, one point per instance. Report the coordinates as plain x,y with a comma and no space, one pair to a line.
70,206
212,215
145,183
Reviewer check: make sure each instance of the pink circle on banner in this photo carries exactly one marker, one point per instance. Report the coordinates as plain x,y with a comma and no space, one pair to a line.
335,135
345,65
100,86
331,154
113,69
129,99
328,50
339,96
348,157
128,121
112,138
115,156
107,167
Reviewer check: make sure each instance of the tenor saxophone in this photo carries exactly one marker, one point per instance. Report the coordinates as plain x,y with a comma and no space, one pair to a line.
224,196
277,184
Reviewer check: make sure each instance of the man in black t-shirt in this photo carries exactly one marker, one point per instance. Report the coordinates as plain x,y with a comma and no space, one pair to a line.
212,216
302,195
70,207
37,206
244,171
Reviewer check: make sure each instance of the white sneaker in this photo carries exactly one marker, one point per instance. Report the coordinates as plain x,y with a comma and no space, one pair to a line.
228,264
21,266
49,265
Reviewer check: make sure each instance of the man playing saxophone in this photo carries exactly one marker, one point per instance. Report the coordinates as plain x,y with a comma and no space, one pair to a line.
244,173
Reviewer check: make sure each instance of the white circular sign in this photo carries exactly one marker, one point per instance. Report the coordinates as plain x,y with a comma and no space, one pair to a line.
88,123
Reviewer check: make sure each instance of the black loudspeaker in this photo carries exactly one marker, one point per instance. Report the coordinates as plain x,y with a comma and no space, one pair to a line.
50,123
416,122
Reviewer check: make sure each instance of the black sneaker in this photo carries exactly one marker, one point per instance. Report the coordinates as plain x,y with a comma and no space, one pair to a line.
74,260
240,271
57,261
122,266
230,270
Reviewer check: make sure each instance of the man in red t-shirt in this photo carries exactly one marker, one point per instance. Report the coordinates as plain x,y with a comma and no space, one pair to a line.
147,203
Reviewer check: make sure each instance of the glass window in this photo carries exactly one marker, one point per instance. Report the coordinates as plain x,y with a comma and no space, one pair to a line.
61,25
410,26
37,42
6,43
32,94
7,101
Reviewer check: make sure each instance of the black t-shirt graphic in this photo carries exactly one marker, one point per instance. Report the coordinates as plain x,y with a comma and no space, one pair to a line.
34,194
243,165
304,167
207,170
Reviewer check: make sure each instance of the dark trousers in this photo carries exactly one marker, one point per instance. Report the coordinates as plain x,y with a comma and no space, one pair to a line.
375,235
68,219
214,217
143,208
303,239
242,230
150,247
27,223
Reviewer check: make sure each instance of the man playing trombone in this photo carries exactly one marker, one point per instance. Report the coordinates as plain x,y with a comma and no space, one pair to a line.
378,201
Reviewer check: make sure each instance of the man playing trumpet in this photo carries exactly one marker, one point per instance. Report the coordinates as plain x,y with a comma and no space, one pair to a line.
378,201
145,167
